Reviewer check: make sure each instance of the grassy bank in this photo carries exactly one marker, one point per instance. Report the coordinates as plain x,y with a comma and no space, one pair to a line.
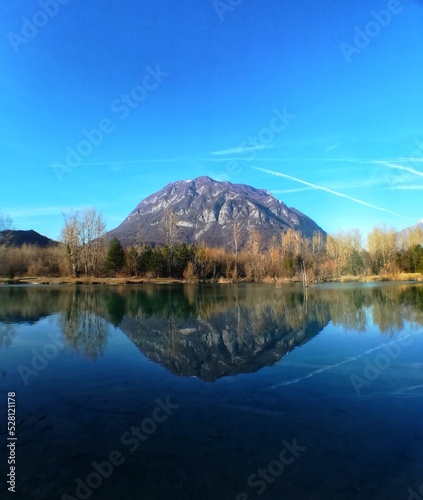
86,281
416,277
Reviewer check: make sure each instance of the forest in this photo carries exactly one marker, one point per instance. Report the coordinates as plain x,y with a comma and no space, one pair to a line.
85,252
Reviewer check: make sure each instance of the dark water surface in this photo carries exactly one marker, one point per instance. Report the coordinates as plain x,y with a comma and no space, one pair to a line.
213,392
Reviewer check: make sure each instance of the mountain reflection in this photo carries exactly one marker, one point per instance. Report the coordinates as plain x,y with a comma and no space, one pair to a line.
240,335
208,331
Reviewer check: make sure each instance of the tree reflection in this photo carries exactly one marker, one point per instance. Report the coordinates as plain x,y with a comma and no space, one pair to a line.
234,330
83,327
7,332
27,304
209,330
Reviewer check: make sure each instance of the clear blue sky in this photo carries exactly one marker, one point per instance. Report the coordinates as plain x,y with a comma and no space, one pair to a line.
272,93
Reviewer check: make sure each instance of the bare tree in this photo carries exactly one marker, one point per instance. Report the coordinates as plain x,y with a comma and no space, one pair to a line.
236,240
170,227
70,237
297,250
382,246
83,236
204,261
171,231
255,247
6,222
317,242
291,243
92,229
343,248
415,236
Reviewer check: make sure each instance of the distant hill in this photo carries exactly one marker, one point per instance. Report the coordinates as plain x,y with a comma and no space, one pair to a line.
206,211
407,230
16,238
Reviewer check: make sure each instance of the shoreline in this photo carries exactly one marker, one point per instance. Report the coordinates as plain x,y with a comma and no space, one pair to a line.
43,280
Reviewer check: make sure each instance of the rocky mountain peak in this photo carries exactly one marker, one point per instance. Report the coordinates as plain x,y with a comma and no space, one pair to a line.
206,211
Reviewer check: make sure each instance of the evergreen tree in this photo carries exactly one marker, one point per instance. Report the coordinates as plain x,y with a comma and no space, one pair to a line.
132,258
115,257
144,259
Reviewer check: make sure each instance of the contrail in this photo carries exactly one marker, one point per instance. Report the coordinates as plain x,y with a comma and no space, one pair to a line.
401,167
241,149
316,186
329,367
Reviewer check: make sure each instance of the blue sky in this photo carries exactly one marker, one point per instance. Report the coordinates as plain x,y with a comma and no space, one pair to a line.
103,103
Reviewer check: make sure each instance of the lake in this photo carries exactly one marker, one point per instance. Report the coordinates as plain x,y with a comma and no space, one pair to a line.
212,392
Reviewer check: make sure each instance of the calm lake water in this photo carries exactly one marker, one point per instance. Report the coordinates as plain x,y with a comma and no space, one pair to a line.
213,392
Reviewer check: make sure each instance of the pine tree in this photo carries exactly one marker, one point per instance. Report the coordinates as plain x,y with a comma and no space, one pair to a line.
115,257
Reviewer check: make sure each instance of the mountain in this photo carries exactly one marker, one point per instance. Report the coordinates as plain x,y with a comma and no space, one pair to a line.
408,230
418,224
206,211
15,238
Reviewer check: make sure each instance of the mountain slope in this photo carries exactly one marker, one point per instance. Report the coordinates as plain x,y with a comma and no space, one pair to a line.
206,211
16,238
408,230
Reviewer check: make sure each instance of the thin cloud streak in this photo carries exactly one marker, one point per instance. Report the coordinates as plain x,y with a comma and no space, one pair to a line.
385,162
247,159
409,160
410,187
321,188
241,149
395,166
286,191
334,146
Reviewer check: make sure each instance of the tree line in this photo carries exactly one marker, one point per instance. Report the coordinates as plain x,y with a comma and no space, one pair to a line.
84,251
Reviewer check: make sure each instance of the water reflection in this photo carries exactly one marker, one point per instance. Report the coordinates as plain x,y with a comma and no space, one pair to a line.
84,328
209,331
7,332
218,335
